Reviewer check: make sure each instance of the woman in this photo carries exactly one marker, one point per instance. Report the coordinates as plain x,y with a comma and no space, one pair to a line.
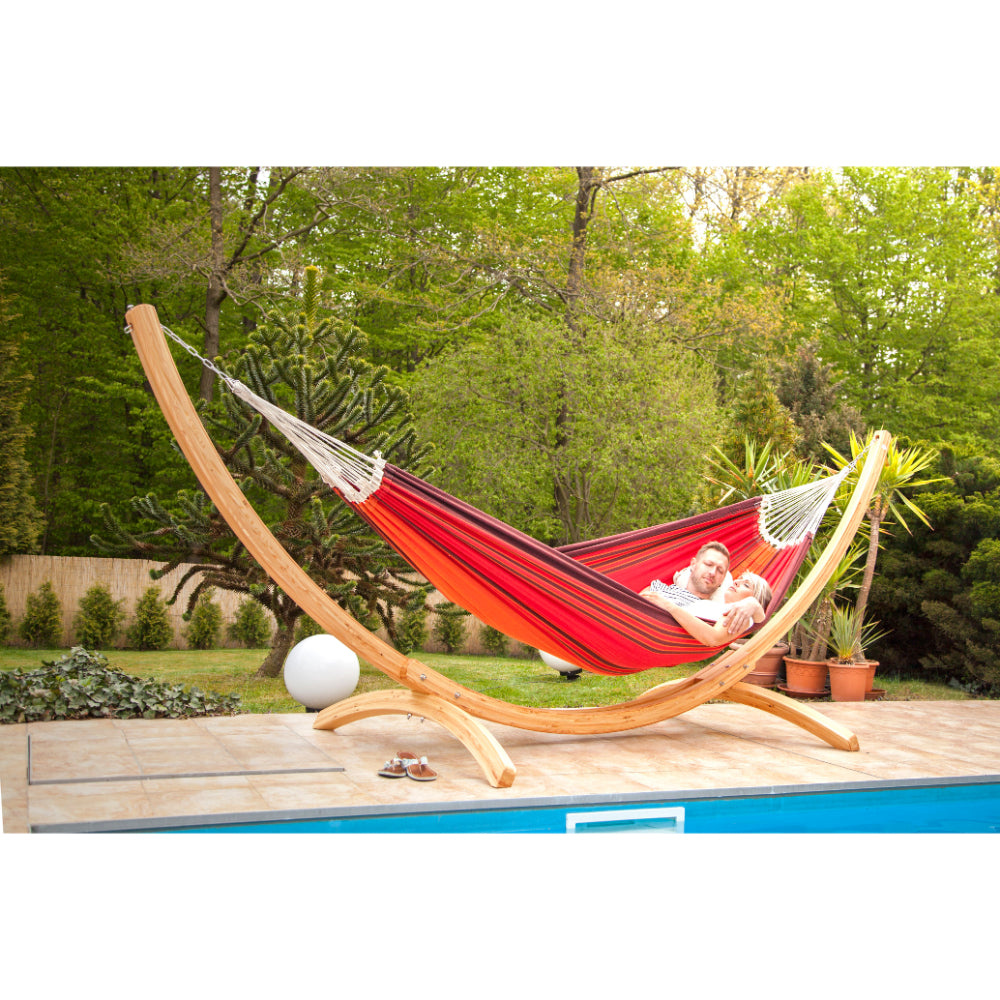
703,619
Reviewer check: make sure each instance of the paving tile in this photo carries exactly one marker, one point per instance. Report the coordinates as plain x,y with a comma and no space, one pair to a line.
87,802
198,796
718,745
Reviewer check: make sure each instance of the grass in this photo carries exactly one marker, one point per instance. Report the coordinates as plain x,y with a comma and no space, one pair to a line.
524,682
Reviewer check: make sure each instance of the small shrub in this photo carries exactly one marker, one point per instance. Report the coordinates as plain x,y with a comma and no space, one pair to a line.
205,622
5,622
81,685
494,640
250,626
412,633
305,628
99,618
151,628
42,622
449,627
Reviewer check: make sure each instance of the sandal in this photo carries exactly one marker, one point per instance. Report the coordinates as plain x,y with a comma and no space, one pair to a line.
394,768
419,771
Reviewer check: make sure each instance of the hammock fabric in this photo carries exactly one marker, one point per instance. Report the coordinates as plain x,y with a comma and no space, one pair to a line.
581,602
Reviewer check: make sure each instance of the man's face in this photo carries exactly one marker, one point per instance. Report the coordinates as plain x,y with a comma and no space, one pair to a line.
708,571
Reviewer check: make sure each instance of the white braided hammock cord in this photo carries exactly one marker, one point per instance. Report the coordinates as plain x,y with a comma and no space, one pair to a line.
354,474
785,517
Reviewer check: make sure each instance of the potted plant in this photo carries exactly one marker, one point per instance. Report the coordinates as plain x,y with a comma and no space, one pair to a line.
766,669
806,665
849,634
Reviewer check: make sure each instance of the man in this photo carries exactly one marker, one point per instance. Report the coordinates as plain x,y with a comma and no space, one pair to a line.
706,579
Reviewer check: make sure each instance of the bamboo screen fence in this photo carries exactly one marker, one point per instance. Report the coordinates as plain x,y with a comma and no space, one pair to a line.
127,579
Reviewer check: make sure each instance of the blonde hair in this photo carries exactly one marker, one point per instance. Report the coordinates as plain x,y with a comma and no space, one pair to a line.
761,588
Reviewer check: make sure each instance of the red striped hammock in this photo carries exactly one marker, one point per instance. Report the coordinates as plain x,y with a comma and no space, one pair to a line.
580,602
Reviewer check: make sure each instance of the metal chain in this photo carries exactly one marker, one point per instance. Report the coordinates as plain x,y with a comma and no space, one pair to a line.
228,379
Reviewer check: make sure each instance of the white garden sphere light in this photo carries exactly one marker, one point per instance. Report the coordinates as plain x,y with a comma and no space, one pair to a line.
320,670
564,667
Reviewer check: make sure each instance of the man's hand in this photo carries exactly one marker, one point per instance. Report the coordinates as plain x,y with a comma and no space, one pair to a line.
741,614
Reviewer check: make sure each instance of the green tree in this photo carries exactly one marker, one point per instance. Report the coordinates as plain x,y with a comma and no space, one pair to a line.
758,417
98,619
42,621
892,271
626,452
250,626
20,522
5,619
308,364
62,232
150,628
806,388
204,622
940,588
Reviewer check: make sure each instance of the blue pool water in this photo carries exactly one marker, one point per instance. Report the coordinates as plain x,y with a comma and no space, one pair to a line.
961,806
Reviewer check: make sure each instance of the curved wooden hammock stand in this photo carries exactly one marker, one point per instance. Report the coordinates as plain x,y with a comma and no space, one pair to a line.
431,695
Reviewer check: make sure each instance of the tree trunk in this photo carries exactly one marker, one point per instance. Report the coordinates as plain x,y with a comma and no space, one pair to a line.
873,539
216,293
281,644
589,182
875,516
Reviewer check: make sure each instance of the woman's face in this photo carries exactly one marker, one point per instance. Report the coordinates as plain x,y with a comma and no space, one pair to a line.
741,588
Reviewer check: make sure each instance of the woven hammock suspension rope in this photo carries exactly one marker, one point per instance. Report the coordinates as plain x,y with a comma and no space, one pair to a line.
579,602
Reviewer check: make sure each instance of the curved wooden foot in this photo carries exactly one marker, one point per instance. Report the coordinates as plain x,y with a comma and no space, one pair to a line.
839,737
476,738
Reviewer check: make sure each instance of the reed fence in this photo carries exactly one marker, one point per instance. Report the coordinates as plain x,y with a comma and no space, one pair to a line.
127,580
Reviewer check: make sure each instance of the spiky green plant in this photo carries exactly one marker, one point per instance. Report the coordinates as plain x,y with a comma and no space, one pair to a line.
850,634
899,473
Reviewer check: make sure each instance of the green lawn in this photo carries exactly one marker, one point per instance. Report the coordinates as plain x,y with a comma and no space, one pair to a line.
524,682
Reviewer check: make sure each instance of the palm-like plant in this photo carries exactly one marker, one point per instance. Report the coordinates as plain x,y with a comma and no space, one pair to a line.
899,472
850,633
763,471
815,627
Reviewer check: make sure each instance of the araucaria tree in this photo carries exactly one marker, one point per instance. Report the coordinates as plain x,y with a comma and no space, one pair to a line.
309,365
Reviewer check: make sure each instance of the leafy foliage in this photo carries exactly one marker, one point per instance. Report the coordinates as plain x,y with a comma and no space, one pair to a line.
99,618
412,631
940,588
5,619
20,521
151,628
568,439
494,640
204,623
250,625
449,626
42,621
81,685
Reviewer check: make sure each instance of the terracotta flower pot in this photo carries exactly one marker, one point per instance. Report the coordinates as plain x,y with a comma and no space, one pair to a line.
848,681
806,676
765,671
872,666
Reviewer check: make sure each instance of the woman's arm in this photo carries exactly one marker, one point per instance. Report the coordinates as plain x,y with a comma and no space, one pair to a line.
708,634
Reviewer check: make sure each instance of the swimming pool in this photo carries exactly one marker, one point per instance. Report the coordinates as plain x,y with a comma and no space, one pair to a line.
962,805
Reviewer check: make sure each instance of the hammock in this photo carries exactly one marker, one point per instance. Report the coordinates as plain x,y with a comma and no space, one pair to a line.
579,602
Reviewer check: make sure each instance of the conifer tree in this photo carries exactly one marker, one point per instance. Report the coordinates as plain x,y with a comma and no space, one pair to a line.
310,365
20,521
